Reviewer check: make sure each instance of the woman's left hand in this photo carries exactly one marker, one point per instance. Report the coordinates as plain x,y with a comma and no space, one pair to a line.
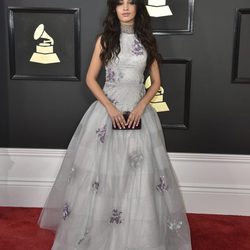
135,115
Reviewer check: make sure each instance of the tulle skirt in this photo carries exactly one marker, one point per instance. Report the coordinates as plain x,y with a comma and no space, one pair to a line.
116,189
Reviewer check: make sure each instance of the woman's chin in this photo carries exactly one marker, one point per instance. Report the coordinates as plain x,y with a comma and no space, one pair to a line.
127,20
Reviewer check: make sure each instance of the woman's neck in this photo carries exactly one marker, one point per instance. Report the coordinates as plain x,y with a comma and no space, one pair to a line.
127,28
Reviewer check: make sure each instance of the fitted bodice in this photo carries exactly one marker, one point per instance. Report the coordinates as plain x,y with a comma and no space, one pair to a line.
124,80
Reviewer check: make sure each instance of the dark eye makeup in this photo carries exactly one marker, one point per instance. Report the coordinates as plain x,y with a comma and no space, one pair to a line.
130,2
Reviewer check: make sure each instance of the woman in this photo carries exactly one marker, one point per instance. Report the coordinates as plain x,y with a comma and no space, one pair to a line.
116,188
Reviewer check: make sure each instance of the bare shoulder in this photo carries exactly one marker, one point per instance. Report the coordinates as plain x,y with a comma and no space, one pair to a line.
98,42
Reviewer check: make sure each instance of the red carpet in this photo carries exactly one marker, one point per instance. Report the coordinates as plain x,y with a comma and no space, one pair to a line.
19,231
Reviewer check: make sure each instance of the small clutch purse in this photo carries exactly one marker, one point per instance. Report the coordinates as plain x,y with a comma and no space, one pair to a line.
126,115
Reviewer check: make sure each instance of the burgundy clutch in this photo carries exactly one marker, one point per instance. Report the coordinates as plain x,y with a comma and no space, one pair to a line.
126,115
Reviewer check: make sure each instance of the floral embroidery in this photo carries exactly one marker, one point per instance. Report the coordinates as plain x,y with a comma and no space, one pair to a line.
83,238
120,76
101,132
95,185
162,186
174,225
135,159
110,75
116,216
137,48
114,101
66,211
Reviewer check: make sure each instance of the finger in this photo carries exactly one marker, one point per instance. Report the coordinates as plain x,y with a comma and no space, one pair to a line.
118,122
135,122
130,119
113,122
122,121
130,122
138,122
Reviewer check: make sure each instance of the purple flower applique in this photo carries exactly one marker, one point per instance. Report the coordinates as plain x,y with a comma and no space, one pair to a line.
162,186
174,225
101,132
84,236
120,76
137,48
135,159
113,100
66,211
95,185
116,216
110,75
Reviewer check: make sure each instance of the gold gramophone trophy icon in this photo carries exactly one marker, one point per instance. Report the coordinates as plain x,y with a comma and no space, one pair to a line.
45,50
158,8
157,101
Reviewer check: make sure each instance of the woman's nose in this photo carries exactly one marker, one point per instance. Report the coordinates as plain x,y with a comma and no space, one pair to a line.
125,6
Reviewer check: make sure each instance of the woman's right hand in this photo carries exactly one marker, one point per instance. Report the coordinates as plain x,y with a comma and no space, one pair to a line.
116,117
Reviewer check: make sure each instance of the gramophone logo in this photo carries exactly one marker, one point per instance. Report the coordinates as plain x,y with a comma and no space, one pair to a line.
158,8
157,101
45,50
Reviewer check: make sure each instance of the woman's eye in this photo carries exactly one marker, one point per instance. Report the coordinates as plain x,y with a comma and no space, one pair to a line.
132,2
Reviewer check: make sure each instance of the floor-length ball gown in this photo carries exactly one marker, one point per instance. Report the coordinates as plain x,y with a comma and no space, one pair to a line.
116,189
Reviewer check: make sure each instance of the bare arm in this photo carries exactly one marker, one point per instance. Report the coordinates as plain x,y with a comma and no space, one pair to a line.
155,83
137,112
91,80
92,74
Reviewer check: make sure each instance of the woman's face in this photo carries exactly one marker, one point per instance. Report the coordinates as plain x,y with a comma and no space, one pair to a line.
126,11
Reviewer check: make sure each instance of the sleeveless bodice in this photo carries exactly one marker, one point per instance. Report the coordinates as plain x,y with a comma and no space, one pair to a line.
124,80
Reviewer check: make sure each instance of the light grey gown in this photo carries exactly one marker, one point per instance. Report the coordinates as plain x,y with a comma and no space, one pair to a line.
116,189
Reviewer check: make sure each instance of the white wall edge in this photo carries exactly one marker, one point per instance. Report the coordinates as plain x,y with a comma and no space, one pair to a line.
210,183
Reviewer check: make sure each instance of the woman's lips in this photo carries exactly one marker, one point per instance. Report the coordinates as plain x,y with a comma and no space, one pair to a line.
125,14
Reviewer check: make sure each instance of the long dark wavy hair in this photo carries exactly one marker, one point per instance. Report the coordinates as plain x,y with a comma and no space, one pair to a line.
110,38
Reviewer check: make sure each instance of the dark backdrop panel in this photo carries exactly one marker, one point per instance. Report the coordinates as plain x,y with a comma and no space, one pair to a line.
25,44
3,82
44,114
244,48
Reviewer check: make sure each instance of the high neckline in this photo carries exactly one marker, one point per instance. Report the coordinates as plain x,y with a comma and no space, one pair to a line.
127,28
